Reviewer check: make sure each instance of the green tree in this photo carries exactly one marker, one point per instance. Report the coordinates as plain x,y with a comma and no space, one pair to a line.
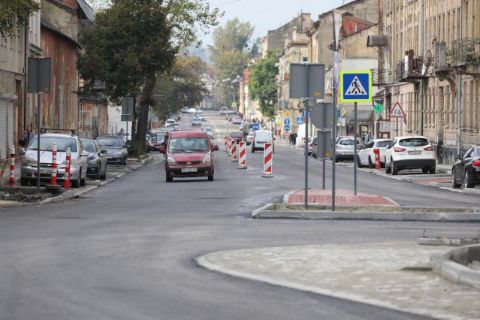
230,53
262,84
14,14
182,86
133,42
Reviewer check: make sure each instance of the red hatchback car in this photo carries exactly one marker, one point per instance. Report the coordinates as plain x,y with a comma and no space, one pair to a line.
189,154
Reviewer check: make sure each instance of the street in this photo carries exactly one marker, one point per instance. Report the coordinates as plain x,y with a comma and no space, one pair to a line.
127,250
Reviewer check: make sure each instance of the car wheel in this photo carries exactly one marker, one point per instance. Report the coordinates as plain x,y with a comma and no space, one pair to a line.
467,181
370,163
99,173
210,178
455,184
424,170
124,161
253,150
104,175
75,183
394,168
432,170
359,163
23,181
83,181
388,169
168,177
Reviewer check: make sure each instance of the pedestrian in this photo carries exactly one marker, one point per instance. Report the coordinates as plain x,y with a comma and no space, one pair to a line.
27,136
294,138
367,137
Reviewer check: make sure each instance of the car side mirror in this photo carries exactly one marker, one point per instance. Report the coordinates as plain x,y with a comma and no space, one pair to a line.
215,148
103,151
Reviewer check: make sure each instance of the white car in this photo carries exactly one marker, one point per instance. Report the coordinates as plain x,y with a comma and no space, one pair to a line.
196,122
344,148
410,152
170,122
366,157
260,138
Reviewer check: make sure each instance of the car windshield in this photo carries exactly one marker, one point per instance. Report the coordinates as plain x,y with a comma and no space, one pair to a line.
383,144
413,142
347,142
89,146
110,142
160,137
191,144
46,143
236,134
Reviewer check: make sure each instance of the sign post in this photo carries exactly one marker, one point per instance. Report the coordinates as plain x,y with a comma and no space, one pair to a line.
39,79
307,81
355,86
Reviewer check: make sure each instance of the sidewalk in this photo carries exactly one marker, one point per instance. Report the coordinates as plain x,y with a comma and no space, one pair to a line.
394,275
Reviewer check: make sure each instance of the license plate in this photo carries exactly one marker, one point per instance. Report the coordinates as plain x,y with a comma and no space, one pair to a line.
416,152
186,170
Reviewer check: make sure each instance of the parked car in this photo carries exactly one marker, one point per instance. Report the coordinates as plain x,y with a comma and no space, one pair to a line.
189,154
191,110
466,170
249,138
115,148
344,149
209,131
410,152
223,111
196,122
170,122
366,157
78,163
97,159
236,136
157,142
184,110
260,138
236,120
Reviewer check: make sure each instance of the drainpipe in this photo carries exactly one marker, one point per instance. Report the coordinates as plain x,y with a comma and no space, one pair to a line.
25,71
422,50
459,90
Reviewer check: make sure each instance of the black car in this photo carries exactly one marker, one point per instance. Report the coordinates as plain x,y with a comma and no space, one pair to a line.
466,170
115,147
97,160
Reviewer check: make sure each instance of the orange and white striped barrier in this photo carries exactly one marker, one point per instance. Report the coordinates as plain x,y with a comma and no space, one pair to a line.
267,161
229,146
11,180
242,158
234,151
68,158
53,178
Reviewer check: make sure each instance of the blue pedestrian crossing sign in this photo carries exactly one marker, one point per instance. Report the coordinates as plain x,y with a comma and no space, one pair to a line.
356,86
286,122
286,127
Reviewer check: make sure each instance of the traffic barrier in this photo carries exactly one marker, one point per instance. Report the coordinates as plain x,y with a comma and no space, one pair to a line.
234,151
53,178
267,161
229,146
11,180
242,159
68,158
378,164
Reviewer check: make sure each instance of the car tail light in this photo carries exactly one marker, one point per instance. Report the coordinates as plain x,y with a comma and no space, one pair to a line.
476,163
399,149
430,148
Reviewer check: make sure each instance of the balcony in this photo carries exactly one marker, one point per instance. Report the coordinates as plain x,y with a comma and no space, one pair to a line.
411,69
465,56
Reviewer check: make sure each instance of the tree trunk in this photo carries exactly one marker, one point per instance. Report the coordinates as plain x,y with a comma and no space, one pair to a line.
142,124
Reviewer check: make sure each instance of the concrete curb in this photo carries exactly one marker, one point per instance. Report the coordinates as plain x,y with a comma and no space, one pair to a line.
445,265
268,212
75,193
206,263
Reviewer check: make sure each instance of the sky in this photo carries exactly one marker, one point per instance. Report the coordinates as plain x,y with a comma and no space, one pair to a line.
267,15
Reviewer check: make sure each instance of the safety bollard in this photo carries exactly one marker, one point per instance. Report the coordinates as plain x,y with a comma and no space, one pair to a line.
68,158
267,161
11,180
378,164
242,159
229,146
53,178
234,151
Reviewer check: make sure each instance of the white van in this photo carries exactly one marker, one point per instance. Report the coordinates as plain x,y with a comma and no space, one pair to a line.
260,137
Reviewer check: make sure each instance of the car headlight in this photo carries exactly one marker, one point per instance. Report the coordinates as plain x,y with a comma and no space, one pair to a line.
171,160
207,159
30,161
91,157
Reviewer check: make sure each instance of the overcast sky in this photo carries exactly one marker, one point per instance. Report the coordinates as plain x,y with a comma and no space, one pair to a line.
267,15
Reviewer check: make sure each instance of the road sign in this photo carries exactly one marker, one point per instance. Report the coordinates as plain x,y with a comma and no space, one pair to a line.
299,120
286,127
397,111
287,114
378,108
307,80
255,126
286,122
277,119
356,86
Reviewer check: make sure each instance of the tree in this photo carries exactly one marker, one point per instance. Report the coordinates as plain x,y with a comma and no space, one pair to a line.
182,86
15,14
135,41
230,53
262,84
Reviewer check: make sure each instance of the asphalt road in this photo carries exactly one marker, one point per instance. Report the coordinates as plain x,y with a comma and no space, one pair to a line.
126,250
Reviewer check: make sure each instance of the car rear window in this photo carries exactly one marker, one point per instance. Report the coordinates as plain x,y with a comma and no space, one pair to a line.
263,136
413,142
89,146
347,142
383,144
110,142
191,144
46,143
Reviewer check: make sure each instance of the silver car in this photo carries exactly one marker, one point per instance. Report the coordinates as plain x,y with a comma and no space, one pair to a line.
78,163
